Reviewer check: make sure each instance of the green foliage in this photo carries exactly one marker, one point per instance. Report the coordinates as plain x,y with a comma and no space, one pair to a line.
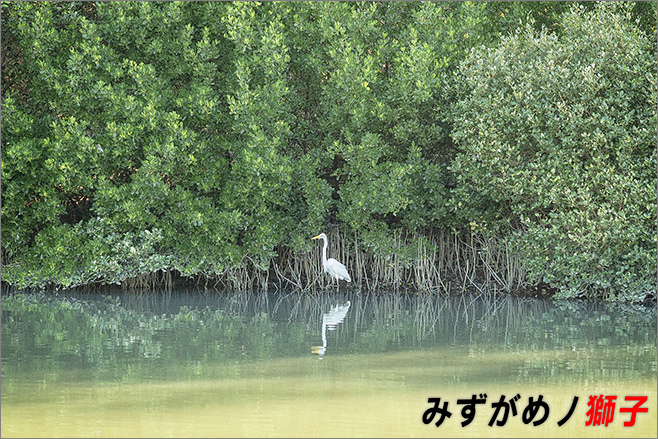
205,137
144,117
560,132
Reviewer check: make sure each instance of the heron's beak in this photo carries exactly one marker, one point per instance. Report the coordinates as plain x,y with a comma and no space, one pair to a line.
316,237
315,349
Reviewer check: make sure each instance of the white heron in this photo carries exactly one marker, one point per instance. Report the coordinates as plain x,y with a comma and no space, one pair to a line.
332,266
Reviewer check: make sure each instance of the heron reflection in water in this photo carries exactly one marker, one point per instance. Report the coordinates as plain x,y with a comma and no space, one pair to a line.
330,320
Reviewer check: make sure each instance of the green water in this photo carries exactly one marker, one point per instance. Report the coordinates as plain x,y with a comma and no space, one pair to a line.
197,365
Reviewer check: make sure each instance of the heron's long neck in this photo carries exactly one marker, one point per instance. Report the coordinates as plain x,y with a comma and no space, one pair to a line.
324,250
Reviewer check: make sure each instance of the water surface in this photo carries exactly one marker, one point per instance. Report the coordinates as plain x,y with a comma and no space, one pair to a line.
257,365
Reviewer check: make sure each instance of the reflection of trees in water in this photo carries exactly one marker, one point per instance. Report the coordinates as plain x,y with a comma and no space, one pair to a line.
174,328
427,317
576,340
419,320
